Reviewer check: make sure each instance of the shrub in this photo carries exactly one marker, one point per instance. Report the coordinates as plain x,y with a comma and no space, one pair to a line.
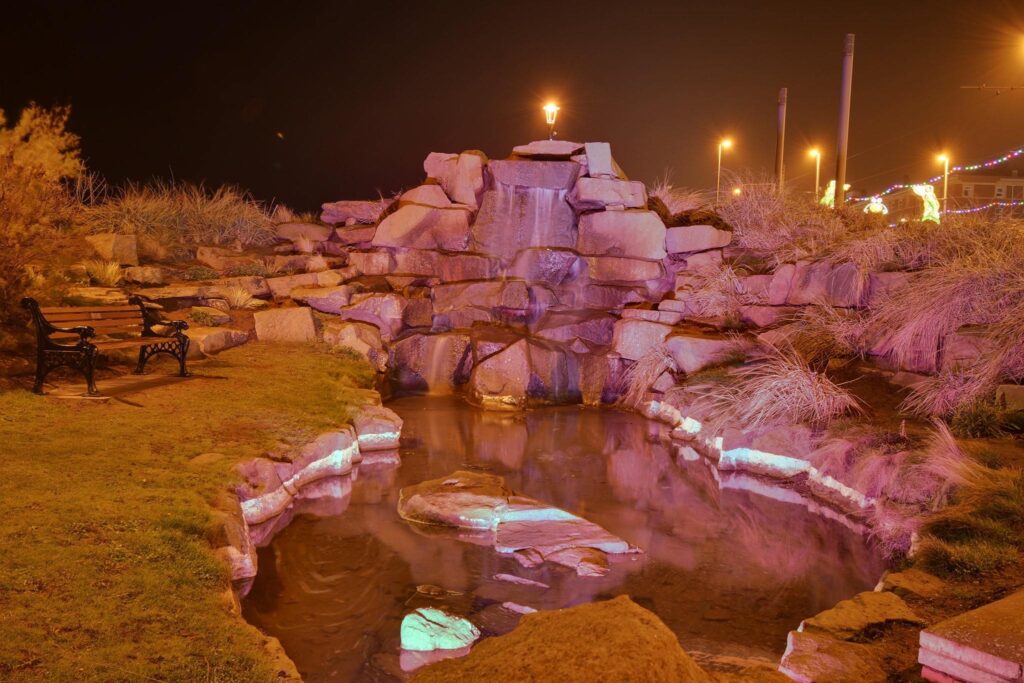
304,245
37,154
941,394
316,264
176,214
978,419
256,269
199,273
781,388
203,318
680,200
718,294
821,333
106,273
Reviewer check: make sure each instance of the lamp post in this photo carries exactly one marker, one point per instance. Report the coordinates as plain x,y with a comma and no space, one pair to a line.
816,153
944,158
726,143
550,114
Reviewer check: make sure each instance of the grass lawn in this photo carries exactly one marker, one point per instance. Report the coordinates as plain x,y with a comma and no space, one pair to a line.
106,573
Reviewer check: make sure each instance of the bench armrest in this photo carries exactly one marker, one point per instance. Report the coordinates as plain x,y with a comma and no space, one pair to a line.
83,331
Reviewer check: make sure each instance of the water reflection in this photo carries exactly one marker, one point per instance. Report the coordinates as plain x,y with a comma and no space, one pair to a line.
728,570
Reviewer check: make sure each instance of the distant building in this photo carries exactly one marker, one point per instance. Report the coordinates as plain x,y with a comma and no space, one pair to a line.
968,190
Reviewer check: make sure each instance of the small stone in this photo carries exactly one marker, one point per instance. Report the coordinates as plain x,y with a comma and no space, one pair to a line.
432,629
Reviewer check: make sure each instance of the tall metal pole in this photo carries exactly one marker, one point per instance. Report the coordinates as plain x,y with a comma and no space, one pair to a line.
718,176
780,141
843,135
817,176
945,183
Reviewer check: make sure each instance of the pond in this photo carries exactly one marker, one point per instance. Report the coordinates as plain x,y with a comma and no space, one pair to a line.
729,569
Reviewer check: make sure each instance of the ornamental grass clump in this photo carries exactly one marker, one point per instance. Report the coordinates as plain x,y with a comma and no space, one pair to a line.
781,388
978,523
719,293
239,298
179,213
639,377
106,273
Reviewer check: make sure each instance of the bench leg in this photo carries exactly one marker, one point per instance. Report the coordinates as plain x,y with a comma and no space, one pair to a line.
140,367
88,368
184,343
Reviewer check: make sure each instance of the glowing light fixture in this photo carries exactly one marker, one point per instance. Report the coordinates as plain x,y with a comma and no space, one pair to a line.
725,143
550,115
737,191
816,153
944,160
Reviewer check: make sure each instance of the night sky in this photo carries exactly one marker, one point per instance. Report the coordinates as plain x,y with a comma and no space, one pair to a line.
305,102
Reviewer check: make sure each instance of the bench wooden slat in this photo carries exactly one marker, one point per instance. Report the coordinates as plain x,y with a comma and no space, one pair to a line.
98,325
126,343
87,309
136,331
85,317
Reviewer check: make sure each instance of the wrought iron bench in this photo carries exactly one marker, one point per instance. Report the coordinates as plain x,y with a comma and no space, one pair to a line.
74,336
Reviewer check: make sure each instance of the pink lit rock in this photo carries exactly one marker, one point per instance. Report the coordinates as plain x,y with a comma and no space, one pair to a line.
427,195
696,238
882,285
704,261
378,428
219,258
323,299
614,269
445,267
846,286
635,338
460,175
548,148
781,284
362,338
692,353
353,212
371,262
595,327
810,283
667,317
627,234
599,193
462,500
281,287
309,231
383,310
357,234
599,160
424,227
209,341
966,346
766,316
285,325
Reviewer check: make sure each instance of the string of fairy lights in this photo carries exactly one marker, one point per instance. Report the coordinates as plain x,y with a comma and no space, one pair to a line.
959,168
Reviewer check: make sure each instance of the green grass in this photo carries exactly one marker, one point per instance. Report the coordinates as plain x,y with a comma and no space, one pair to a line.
106,573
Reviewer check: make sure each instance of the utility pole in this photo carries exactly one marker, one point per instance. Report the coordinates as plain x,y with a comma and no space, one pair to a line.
843,135
780,142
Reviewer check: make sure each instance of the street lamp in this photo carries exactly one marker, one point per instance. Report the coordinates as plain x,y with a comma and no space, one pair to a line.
737,191
725,143
944,158
550,114
816,153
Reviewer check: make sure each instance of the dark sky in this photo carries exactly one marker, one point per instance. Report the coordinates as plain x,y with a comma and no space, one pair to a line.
362,91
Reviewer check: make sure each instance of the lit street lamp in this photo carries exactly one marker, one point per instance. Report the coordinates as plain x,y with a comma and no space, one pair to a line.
550,114
737,191
816,153
944,158
724,144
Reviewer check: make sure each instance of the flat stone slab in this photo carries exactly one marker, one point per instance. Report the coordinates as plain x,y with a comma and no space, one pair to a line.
985,644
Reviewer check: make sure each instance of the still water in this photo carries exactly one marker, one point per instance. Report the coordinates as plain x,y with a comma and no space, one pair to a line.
730,571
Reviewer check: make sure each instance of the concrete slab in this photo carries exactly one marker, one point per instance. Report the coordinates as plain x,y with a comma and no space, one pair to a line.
987,643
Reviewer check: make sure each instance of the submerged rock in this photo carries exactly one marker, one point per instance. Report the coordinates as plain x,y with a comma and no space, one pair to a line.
429,628
615,640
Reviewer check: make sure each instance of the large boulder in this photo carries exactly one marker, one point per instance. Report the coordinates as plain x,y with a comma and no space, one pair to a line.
323,299
432,363
109,246
626,234
353,212
356,234
378,428
460,175
511,219
363,339
285,325
614,640
383,310
427,195
692,352
429,628
600,163
594,327
445,267
376,262
633,339
208,341
550,175
696,238
418,226
600,193
462,500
